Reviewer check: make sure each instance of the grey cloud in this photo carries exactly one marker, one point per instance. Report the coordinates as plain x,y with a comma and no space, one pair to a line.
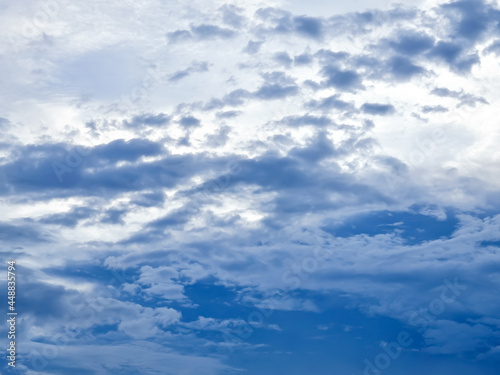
471,19
395,165
179,36
228,114
412,43
329,103
114,216
319,148
220,138
30,170
283,58
493,48
302,59
307,120
234,98
155,120
443,91
71,218
199,33
308,26
455,55
196,67
284,23
189,121
344,80
149,199
276,91
277,85
327,57
4,123
402,68
437,108
231,16
253,47
363,22
23,233
378,109
464,98
205,31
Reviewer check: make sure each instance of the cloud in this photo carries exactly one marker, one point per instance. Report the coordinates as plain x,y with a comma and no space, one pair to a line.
470,19
200,32
494,48
378,109
454,55
283,58
302,59
277,85
257,179
344,80
412,43
179,35
114,216
130,150
228,114
149,199
233,98
253,47
4,123
220,138
321,147
196,67
231,16
160,282
22,232
71,218
466,337
431,109
464,98
403,68
326,56
189,121
330,103
137,121
275,91
283,23
309,26
307,120
205,31
95,173
443,91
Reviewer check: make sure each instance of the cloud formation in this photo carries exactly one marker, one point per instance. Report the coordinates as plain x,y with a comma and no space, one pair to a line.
182,184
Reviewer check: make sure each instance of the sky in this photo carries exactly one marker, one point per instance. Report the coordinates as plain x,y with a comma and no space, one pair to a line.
251,187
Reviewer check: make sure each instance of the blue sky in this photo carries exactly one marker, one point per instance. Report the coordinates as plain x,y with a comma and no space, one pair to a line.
252,187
